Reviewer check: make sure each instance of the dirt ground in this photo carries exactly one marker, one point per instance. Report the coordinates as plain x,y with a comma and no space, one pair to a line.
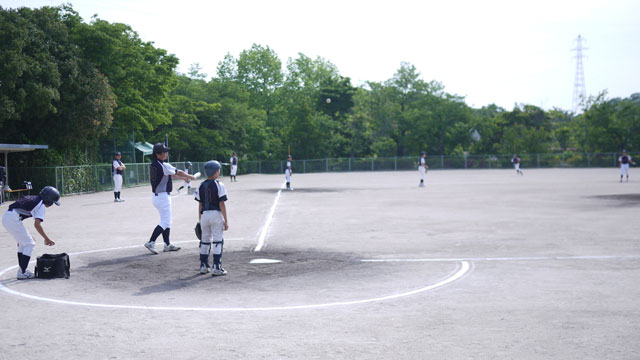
479,264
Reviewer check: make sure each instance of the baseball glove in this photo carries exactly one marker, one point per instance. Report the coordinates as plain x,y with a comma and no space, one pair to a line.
198,230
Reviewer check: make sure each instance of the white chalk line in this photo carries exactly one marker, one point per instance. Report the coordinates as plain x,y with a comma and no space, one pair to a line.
463,269
267,222
524,258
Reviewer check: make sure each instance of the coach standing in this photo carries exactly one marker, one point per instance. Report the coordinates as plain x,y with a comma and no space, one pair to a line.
117,169
160,174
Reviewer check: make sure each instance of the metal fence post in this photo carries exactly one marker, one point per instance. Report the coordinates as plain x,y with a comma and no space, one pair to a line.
62,181
372,166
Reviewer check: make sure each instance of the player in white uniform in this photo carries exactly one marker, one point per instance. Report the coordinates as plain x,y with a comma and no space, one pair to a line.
160,174
117,169
516,164
187,183
234,166
26,207
211,197
288,172
422,166
624,162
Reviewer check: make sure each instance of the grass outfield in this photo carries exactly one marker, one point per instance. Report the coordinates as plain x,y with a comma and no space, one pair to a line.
478,264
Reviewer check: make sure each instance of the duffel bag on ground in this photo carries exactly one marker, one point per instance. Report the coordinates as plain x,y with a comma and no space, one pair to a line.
50,266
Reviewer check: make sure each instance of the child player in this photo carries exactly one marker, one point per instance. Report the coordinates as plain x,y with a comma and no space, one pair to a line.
26,207
422,166
288,172
624,161
212,215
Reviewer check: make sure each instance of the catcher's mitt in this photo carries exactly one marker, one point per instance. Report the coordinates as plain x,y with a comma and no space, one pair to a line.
198,230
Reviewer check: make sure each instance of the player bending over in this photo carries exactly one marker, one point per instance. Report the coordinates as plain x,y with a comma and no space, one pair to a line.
26,207
212,214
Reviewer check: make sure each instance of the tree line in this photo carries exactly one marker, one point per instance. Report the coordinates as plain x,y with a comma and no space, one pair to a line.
73,84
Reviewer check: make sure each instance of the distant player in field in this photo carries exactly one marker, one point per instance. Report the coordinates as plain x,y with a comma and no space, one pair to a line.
516,164
187,183
624,160
234,166
422,167
117,169
288,172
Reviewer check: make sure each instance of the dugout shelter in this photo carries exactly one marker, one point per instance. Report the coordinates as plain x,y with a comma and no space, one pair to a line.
12,148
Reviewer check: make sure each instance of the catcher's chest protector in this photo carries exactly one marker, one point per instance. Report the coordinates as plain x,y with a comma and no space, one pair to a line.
50,266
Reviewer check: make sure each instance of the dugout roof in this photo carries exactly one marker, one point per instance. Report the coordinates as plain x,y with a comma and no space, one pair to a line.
7,148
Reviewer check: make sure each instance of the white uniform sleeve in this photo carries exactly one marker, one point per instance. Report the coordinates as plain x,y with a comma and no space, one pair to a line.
38,211
222,191
197,194
115,164
168,169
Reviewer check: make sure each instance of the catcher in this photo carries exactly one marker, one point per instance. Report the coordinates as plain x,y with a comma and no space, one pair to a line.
212,216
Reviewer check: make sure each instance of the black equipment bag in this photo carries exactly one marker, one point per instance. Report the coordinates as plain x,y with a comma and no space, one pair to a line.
50,266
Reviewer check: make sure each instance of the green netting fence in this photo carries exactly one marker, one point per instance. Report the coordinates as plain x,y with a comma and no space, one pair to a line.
92,178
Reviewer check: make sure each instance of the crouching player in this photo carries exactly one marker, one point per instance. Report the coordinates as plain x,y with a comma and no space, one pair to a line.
26,207
212,215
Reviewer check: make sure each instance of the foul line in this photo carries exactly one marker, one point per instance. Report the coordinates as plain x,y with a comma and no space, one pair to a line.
267,221
594,257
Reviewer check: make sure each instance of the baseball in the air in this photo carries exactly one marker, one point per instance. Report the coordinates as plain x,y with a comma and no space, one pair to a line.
328,101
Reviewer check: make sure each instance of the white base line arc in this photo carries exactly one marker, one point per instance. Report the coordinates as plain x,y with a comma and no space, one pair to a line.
459,273
267,222
524,258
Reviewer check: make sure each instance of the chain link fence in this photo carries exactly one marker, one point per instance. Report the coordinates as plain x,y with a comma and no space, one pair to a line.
92,178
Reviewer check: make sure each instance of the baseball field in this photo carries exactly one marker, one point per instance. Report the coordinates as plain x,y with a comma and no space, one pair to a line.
478,264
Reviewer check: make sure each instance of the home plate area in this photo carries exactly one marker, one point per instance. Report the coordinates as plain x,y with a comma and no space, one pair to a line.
270,278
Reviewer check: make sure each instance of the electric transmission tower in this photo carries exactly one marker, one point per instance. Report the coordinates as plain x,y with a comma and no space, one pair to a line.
579,89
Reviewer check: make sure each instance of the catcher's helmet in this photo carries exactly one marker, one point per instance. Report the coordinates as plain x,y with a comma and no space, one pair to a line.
160,148
210,167
423,153
50,195
187,164
117,153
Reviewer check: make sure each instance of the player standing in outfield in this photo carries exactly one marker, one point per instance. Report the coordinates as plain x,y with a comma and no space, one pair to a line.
422,166
160,174
117,169
288,172
26,207
516,164
234,166
187,183
212,214
624,160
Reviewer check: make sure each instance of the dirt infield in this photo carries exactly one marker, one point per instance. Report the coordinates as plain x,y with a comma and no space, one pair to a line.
479,264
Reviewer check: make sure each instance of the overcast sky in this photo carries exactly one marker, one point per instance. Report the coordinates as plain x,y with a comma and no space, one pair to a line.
491,51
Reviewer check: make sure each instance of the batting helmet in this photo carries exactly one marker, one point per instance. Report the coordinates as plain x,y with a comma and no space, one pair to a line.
187,164
117,153
50,195
423,153
210,167
160,148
